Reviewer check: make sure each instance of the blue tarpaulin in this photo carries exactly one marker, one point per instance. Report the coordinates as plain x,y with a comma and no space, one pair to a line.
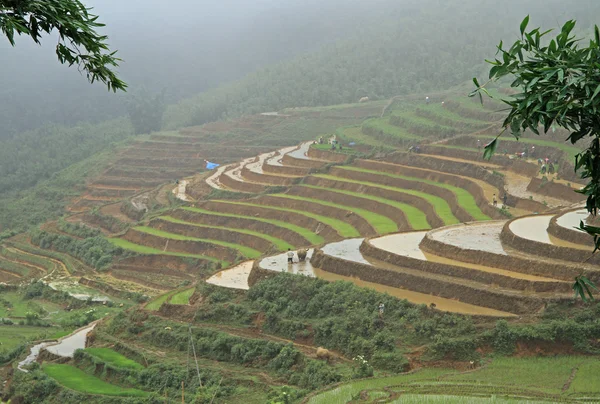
211,166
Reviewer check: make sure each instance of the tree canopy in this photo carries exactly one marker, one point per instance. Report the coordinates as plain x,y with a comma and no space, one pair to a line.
558,83
78,42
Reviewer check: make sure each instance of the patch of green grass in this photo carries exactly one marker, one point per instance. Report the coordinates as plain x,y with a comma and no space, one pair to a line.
280,244
381,224
383,125
12,336
547,373
76,379
113,358
586,379
439,110
342,228
182,297
344,393
440,206
60,334
421,121
244,250
464,198
416,218
155,304
571,151
128,245
354,134
327,147
307,234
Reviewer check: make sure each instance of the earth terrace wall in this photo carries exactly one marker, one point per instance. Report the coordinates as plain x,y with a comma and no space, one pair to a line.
383,209
168,263
103,287
327,155
447,195
432,217
511,147
241,186
360,224
285,170
123,276
570,235
550,251
127,182
472,187
481,115
171,162
282,233
266,178
258,274
112,192
480,297
465,170
148,173
181,246
190,230
508,262
441,120
305,163
294,218
555,190
456,271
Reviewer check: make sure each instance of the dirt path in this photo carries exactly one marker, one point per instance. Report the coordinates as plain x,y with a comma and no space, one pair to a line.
60,264
179,191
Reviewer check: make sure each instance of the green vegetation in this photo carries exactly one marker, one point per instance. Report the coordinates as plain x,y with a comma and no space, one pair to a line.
141,249
355,134
76,379
441,207
381,224
113,358
342,228
464,198
382,129
182,297
416,218
244,250
307,234
155,304
280,244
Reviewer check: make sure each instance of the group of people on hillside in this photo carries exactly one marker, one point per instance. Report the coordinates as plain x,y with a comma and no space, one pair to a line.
301,255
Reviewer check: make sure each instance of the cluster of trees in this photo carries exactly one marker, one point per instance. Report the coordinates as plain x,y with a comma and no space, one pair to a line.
96,251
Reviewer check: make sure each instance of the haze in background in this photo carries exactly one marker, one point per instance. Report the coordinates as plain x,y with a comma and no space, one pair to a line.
187,47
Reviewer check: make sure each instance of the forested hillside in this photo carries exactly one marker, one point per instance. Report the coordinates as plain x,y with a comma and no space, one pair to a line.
398,47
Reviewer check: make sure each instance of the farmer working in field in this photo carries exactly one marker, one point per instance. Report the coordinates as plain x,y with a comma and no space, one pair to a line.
494,200
381,309
290,255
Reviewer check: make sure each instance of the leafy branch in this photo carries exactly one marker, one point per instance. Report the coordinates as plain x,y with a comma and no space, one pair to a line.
78,42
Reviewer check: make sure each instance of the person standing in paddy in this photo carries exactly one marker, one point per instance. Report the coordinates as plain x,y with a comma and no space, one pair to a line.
290,255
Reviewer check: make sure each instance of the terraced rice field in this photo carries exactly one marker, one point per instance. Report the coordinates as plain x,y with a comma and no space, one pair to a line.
76,379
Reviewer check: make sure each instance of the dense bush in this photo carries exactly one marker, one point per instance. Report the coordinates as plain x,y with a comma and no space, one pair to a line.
78,229
96,252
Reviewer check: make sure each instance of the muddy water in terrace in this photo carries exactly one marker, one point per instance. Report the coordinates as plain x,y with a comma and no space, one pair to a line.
570,220
256,167
67,346
279,263
236,172
301,152
479,236
234,278
346,249
535,228
406,244
213,180
276,160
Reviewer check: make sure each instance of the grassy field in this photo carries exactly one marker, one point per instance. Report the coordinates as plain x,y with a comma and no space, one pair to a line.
504,380
416,218
439,110
182,297
464,198
246,251
127,245
355,134
307,234
76,379
12,336
344,229
381,224
158,301
440,205
113,358
383,125
280,244
571,151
